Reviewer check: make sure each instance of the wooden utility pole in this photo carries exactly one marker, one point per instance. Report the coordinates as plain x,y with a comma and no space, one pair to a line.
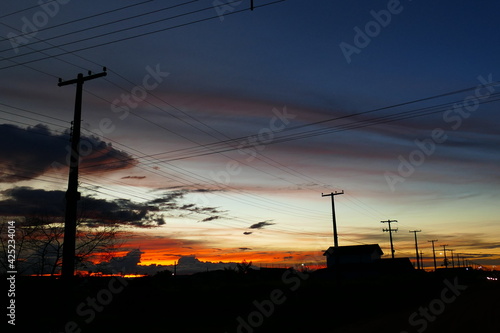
390,234
434,252
335,235
445,258
72,194
416,247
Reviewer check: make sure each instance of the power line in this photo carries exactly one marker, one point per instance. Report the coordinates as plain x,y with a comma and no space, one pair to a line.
25,9
101,25
114,10
229,145
132,37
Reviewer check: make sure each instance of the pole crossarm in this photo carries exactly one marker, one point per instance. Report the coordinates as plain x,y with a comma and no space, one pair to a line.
82,78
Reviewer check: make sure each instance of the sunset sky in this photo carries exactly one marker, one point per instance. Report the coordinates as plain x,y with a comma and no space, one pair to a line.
217,128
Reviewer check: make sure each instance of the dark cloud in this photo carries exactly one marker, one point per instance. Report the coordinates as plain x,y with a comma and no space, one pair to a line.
27,201
191,264
30,152
134,177
245,248
260,225
20,201
210,218
247,233
126,264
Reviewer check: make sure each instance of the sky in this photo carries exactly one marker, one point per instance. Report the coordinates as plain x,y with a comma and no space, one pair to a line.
218,128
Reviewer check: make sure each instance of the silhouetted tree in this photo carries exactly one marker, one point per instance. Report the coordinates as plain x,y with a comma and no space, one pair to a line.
39,242
243,267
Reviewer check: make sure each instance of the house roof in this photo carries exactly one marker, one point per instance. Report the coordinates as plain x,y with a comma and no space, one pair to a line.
354,250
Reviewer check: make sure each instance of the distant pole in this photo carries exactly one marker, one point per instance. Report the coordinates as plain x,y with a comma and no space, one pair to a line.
72,194
416,247
445,258
422,260
452,261
335,235
434,252
390,234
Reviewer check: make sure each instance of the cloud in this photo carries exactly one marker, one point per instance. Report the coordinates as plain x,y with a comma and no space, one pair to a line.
191,264
25,201
247,233
134,177
210,218
30,152
260,225
126,264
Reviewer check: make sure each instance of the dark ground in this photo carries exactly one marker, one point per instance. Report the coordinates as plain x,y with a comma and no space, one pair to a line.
283,301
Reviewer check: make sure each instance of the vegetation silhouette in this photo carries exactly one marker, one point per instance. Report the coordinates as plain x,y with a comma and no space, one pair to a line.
213,301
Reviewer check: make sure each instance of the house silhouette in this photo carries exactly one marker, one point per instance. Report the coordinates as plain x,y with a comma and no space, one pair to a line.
363,260
353,254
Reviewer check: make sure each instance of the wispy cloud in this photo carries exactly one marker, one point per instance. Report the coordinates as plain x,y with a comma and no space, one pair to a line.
260,225
134,177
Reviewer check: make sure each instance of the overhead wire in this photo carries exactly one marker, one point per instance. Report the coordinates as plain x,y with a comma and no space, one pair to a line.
100,25
24,9
111,22
134,36
230,145
25,34
321,134
57,46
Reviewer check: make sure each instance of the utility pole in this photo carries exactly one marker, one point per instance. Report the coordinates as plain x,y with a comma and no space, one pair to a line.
72,194
422,260
416,247
390,234
335,235
452,261
445,258
434,252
